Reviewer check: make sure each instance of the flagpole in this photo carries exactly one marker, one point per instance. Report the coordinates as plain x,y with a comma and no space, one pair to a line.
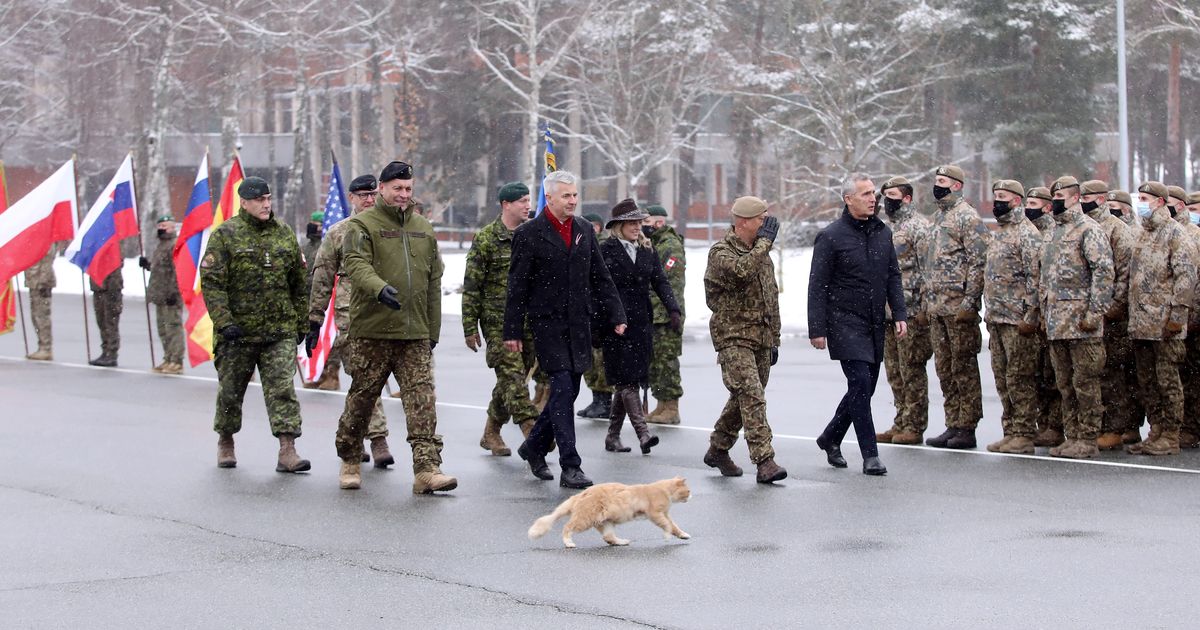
87,333
13,284
142,254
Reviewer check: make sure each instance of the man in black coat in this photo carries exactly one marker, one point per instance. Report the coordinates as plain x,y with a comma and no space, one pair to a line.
555,273
854,274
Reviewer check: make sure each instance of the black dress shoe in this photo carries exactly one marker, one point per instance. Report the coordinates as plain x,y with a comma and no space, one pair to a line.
574,478
537,463
872,466
833,454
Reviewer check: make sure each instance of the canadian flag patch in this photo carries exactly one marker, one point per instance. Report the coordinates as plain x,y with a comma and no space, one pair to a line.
671,263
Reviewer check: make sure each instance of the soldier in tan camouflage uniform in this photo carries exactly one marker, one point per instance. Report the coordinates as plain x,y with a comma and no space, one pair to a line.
326,268
1076,292
485,289
905,359
1010,294
1037,210
953,288
41,281
1162,285
163,292
1120,205
1189,372
1118,350
739,285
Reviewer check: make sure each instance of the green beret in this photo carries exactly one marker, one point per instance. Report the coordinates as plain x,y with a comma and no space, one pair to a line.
895,182
512,191
1155,189
1093,187
1040,192
165,218
253,188
953,172
592,217
1120,196
1177,192
1064,182
657,211
1011,185
317,216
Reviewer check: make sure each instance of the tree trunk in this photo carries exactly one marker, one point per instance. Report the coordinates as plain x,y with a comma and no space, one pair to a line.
156,199
293,200
1174,172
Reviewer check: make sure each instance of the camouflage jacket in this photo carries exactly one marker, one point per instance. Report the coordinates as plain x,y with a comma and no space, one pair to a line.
163,287
673,259
1121,241
1192,235
41,274
1076,277
485,282
957,251
910,235
1162,278
1010,284
1044,225
740,289
252,275
309,249
112,282
326,267
390,246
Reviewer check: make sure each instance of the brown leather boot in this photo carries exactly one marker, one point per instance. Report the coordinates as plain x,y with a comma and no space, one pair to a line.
225,455
1109,441
886,436
350,477
1075,449
430,481
719,459
658,407
289,461
770,472
381,453
491,440
1155,433
1016,445
329,381
994,447
1167,443
612,441
637,418
1049,437
669,414
907,437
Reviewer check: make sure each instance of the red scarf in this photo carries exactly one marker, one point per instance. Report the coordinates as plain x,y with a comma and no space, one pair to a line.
562,227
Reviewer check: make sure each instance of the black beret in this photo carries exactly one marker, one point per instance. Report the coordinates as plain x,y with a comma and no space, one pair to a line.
363,183
396,170
253,188
512,191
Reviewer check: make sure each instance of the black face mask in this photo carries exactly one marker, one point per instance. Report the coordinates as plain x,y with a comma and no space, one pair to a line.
1033,214
164,234
1116,212
1001,208
648,230
1173,211
1059,206
1088,206
940,192
892,206
314,231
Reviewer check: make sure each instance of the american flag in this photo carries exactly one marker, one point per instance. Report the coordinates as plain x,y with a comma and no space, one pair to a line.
336,209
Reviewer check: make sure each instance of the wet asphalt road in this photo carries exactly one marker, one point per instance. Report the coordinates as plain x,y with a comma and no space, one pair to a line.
112,514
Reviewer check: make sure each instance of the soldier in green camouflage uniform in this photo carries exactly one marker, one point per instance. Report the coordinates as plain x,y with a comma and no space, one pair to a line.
1120,205
485,288
254,279
905,359
665,382
1189,373
108,304
1037,210
602,392
1010,294
1118,350
739,286
391,255
1076,292
1162,288
40,280
327,269
163,292
953,287
312,242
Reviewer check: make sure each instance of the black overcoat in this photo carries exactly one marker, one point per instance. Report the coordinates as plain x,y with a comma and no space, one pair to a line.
854,273
553,289
627,357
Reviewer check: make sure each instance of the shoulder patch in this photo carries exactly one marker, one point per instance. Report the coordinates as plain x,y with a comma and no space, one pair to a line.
671,262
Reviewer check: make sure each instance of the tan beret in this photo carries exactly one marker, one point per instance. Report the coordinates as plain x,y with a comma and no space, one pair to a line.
1040,192
1120,196
1011,185
1066,181
748,207
953,172
895,182
1194,198
1093,187
1177,192
1154,189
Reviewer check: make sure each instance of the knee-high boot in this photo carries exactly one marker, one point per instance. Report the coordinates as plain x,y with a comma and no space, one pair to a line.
616,420
637,417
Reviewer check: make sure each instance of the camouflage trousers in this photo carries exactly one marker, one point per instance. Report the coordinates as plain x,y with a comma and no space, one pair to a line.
276,363
745,371
665,381
170,331
1049,400
1118,392
370,362
1189,375
1078,364
108,306
510,396
904,361
1014,363
39,310
377,427
1158,364
956,348
594,377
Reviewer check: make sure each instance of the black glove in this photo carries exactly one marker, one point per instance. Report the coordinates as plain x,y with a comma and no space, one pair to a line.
387,297
310,340
172,300
774,355
769,229
232,332
300,337
432,344
676,323
144,263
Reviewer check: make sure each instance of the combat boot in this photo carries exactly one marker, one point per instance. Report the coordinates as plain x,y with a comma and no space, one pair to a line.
225,456
381,453
1188,439
995,447
887,436
527,427
940,441
770,472
600,407
350,477
41,354
289,461
1076,449
658,408
329,382
104,360
1136,449
669,414
719,459
1167,443
172,369
1048,437
1109,441
906,437
1018,445
433,480
491,440
963,439
541,396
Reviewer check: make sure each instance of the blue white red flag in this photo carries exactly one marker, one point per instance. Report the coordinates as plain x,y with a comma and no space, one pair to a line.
97,245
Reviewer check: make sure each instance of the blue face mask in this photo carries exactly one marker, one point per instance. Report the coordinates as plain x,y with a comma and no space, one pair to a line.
1143,209
1194,218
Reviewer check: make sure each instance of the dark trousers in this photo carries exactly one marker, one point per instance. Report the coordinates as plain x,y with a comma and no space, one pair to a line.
557,420
855,408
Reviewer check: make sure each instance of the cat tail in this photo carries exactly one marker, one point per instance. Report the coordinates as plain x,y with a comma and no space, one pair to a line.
543,524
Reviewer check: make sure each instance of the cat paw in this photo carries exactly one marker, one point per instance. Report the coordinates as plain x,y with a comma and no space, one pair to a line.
568,544
684,535
620,542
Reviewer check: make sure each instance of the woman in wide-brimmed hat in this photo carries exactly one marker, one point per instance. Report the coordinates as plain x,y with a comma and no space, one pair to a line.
635,269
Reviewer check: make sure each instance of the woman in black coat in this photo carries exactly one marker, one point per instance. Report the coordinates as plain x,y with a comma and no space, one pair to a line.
635,269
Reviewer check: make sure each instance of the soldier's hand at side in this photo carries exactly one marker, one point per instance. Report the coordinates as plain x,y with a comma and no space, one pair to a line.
901,329
620,329
514,345
432,344
774,355
1088,324
1172,329
144,263
232,332
818,342
473,342
311,339
676,322
387,297
769,229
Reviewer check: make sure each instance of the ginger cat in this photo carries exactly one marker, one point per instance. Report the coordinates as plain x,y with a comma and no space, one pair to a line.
605,505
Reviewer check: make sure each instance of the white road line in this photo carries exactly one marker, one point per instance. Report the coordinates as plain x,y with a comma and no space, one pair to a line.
981,453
